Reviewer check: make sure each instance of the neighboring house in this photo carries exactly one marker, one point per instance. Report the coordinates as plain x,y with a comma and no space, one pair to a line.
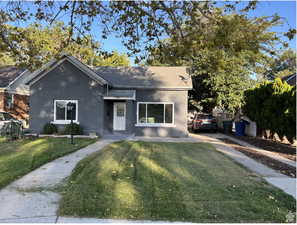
12,100
149,101
290,79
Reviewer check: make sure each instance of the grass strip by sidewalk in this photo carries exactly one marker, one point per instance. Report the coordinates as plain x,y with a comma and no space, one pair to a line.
19,157
170,182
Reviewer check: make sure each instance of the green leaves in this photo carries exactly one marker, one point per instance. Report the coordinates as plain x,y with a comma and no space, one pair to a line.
272,105
35,45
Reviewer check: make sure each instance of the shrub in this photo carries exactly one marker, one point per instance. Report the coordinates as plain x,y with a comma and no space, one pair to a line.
76,129
272,105
49,128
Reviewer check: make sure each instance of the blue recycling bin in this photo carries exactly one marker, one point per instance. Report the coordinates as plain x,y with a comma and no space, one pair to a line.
240,127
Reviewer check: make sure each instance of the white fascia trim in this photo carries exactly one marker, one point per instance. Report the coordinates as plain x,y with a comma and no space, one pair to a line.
154,88
18,92
291,77
154,125
45,71
15,79
72,60
118,98
14,91
84,68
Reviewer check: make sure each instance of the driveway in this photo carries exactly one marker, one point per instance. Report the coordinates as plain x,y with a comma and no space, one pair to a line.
30,198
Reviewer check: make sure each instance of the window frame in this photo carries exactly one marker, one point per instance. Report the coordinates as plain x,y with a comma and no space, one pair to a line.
164,124
9,105
65,121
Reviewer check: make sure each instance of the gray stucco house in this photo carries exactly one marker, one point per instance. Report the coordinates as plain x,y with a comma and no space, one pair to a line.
145,101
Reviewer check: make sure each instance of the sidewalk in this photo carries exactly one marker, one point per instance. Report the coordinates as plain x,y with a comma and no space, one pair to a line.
273,177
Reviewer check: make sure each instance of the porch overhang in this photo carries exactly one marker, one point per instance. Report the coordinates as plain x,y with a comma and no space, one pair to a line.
120,95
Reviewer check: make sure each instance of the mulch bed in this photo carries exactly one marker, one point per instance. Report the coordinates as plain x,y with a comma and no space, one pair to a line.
272,163
285,150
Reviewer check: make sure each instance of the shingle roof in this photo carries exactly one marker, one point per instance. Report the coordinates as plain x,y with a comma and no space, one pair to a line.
146,77
8,74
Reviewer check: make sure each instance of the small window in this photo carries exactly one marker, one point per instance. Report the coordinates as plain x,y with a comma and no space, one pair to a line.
62,113
155,113
9,100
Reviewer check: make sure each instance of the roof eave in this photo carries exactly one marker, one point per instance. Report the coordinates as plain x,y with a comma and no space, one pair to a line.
151,88
39,73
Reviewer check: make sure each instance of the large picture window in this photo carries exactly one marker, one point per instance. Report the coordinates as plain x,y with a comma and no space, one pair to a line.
62,114
155,113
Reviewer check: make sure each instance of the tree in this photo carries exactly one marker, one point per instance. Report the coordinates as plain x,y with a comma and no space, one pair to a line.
6,59
40,44
272,105
223,57
141,24
112,59
283,64
226,35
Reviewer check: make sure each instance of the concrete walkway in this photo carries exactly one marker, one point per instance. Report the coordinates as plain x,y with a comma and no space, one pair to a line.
22,202
283,182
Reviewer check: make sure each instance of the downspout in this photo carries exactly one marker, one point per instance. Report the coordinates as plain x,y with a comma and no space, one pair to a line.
106,89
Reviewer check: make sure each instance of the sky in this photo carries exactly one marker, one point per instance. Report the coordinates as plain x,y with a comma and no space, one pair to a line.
285,9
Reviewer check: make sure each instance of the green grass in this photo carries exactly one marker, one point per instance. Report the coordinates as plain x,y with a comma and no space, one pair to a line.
170,181
19,157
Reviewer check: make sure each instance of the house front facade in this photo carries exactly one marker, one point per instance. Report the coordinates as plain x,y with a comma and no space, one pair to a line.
141,101
13,101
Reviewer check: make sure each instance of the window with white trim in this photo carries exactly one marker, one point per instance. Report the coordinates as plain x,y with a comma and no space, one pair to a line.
155,113
9,100
61,112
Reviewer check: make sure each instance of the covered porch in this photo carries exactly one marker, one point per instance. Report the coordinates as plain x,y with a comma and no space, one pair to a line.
119,111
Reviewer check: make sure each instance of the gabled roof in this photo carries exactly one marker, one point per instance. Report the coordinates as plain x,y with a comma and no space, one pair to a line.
38,74
290,79
152,77
9,74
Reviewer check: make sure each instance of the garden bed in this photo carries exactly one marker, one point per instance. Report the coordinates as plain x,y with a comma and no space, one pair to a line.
284,150
272,163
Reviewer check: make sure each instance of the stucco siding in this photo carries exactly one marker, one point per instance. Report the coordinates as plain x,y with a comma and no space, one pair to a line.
67,82
180,100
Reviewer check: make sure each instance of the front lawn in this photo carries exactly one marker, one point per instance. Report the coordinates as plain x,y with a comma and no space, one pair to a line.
18,158
170,181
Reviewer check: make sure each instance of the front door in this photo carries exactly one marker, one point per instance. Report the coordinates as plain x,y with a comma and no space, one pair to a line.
119,116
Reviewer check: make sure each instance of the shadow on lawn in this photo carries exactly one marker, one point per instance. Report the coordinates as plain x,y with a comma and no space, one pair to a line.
168,181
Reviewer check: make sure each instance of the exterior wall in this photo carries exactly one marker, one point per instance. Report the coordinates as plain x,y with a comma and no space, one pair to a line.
66,82
180,99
